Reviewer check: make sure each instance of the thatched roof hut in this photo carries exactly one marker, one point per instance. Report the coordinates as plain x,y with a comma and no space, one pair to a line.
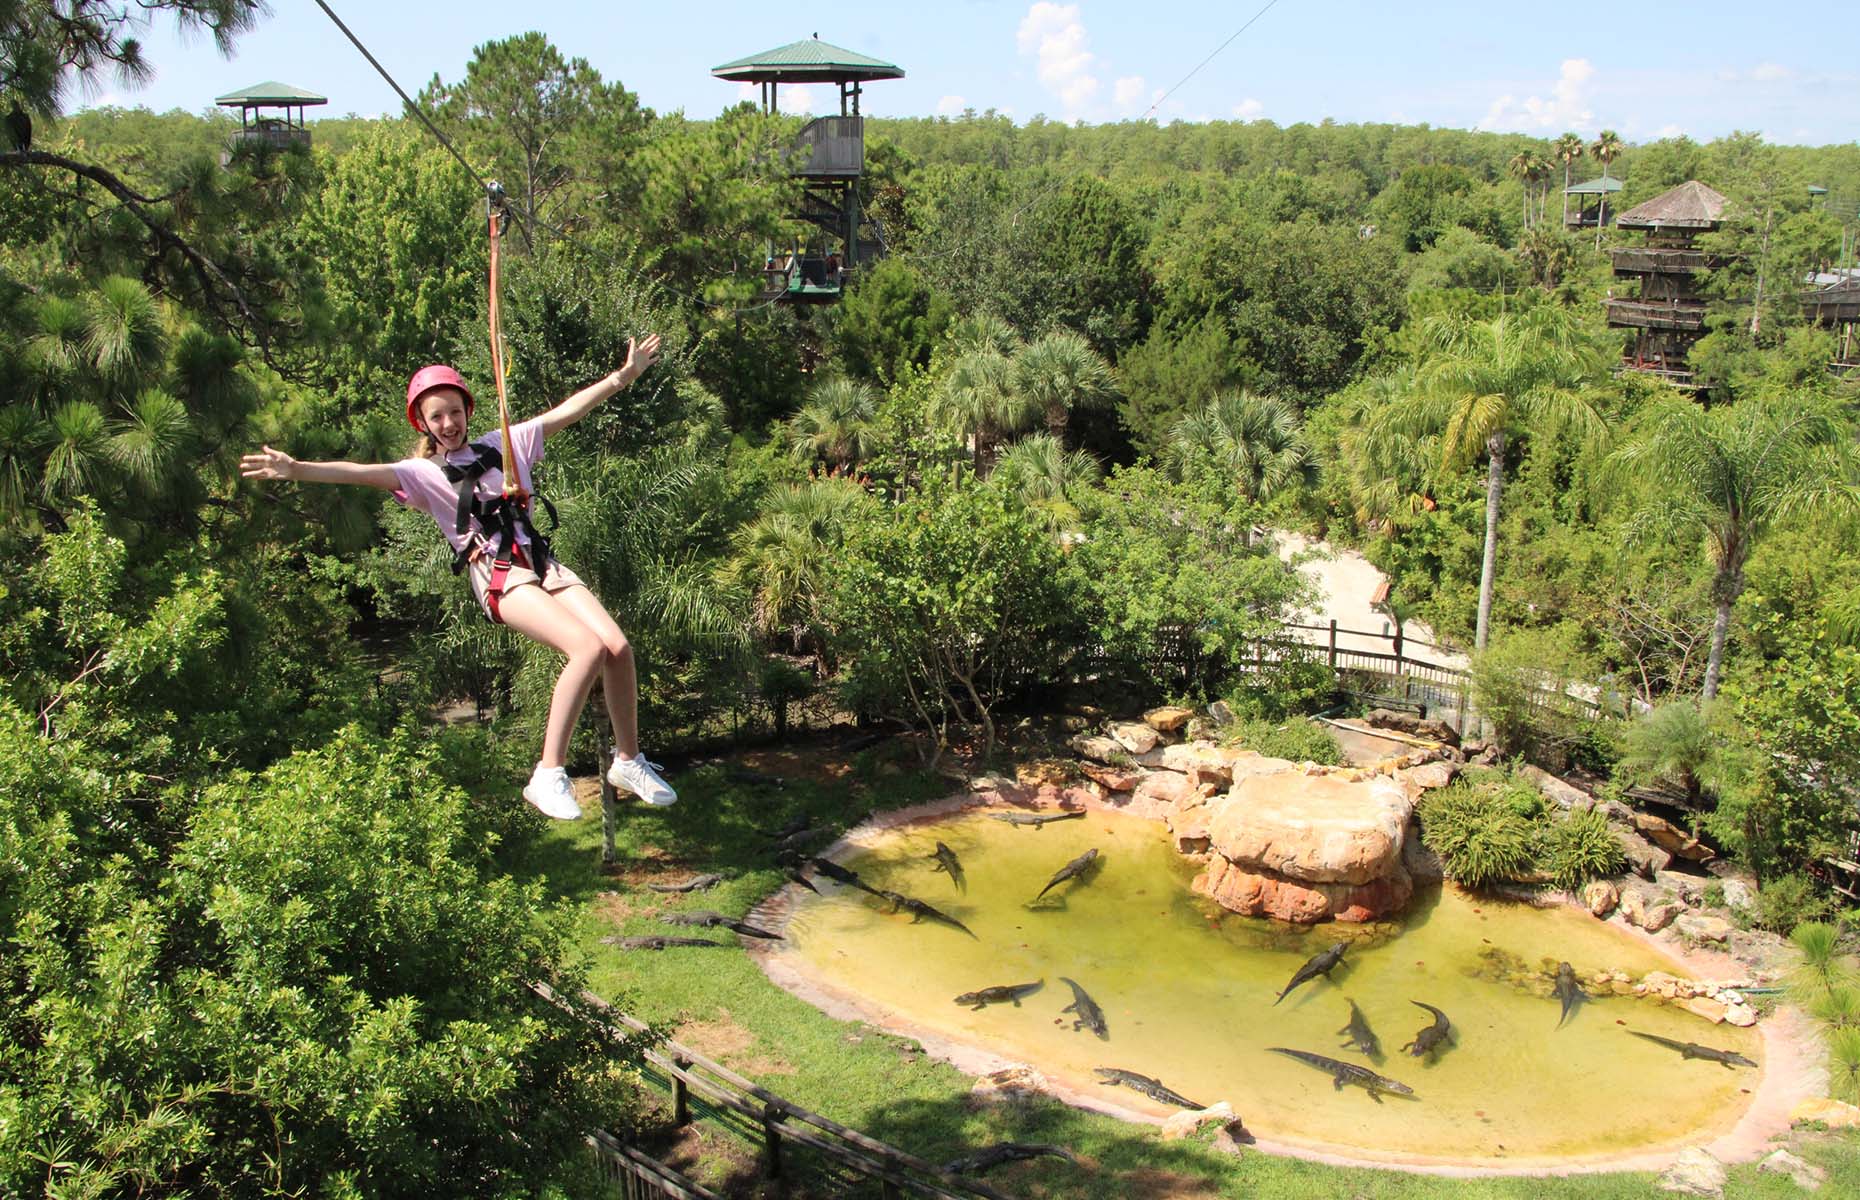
1691,205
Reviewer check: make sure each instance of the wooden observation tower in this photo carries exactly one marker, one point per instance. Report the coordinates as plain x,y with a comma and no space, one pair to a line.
259,127
829,158
1667,312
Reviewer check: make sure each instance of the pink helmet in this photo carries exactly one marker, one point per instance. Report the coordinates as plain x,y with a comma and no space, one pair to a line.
425,380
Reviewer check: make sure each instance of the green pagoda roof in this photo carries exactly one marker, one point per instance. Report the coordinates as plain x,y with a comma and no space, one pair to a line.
808,61
270,92
1607,185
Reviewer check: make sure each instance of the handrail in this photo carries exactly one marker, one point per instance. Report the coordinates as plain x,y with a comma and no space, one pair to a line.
780,1118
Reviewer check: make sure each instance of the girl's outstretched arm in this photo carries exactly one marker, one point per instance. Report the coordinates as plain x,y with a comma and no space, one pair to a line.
640,354
276,464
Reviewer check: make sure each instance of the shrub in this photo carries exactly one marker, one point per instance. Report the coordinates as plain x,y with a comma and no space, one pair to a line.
1673,744
1581,847
1521,684
1482,836
1844,1064
1822,970
1298,740
1838,1008
1789,900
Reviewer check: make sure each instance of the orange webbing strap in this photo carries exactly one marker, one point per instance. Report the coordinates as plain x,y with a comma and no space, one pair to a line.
513,486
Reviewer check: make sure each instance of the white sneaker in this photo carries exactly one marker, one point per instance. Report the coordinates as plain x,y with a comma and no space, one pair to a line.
640,777
550,792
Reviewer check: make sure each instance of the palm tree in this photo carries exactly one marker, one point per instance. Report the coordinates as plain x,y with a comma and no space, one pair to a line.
978,403
1727,474
1539,175
1487,382
835,425
1255,442
1567,150
1040,473
1606,146
780,560
1522,164
1058,374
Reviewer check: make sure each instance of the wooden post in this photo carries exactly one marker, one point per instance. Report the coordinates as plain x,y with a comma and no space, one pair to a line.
1398,649
1333,643
681,1095
771,1134
609,816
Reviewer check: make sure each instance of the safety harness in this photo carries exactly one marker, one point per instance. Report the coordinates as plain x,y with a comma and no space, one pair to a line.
500,517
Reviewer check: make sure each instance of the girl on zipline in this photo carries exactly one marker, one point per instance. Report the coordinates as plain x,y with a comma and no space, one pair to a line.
515,578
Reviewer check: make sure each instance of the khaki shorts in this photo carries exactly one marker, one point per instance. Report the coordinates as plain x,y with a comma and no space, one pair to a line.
555,579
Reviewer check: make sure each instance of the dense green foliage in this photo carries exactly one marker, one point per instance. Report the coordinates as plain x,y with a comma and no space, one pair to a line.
260,931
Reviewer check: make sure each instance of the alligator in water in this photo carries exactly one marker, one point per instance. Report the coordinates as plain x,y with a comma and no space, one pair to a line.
1085,1010
1357,1033
1004,1152
1729,1058
696,883
1343,1072
839,874
921,912
1007,993
1318,964
657,942
1038,820
1433,1036
1114,1076
1568,991
1072,870
947,862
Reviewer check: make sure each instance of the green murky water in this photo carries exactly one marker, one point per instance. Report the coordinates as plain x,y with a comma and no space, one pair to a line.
1188,989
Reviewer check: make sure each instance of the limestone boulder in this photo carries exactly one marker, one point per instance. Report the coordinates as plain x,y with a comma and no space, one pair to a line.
1166,788
1426,777
1422,864
1186,1124
1737,895
1313,828
1835,1114
1801,1172
1221,713
1671,838
1705,1006
1135,738
1202,762
1740,1014
1099,748
1246,764
1642,855
1557,791
1113,779
1702,928
1010,1085
1263,894
1168,719
1645,911
1694,1173
1600,897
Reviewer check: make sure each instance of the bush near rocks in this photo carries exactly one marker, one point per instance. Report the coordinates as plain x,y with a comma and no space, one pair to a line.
1296,740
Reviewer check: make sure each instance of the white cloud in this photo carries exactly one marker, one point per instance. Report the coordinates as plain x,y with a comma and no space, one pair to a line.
749,91
1128,93
1668,130
951,106
1565,108
1053,34
1248,109
1770,72
796,98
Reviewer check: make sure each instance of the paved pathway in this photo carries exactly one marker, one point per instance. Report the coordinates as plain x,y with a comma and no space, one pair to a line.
1346,580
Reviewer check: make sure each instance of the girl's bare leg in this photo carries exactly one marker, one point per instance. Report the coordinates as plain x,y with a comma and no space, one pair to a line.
619,676
544,618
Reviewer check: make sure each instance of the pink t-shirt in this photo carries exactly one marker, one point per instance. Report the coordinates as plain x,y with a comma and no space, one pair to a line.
423,484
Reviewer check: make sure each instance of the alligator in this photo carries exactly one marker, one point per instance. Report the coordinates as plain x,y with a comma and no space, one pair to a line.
802,837
920,911
697,916
947,862
1728,1058
1004,1152
1568,991
1433,1036
1038,820
1357,1033
788,828
1072,870
1007,993
839,874
1343,1072
1087,1014
754,778
696,883
1114,1076
1317,964
656,942
794,875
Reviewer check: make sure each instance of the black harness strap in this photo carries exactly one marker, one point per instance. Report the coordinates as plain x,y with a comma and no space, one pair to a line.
500,517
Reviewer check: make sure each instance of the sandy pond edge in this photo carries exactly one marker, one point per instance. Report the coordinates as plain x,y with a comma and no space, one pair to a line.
1793,1067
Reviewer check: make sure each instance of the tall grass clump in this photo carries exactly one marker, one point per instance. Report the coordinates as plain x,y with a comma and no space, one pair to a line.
1844,1064
1581,847
1483,836
1839,1008
1296,740
1823,969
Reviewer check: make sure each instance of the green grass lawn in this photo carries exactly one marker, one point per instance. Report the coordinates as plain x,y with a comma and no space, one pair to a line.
718,1002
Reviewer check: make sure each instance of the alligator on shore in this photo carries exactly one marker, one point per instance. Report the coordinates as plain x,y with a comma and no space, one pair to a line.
1118,1077
1728,1058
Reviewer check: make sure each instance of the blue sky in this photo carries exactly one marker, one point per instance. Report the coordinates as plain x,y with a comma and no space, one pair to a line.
1712,67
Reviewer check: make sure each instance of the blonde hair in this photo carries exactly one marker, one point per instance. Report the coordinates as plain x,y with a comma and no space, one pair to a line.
424,446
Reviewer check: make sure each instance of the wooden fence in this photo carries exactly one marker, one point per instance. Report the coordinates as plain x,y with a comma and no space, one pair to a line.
746,1108
637,1177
